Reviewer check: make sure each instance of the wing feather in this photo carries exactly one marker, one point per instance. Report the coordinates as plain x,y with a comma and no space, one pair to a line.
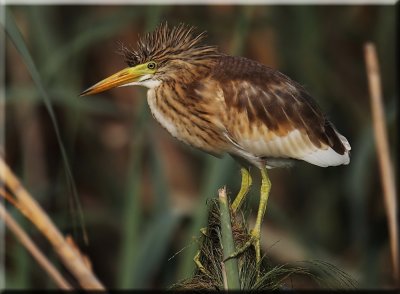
278,118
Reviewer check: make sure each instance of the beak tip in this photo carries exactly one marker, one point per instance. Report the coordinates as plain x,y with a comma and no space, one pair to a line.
116,80
85,92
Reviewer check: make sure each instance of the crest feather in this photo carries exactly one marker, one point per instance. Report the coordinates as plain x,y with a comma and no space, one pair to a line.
164,43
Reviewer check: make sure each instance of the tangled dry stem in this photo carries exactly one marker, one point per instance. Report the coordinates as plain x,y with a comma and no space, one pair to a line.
266,277
69,254
36,253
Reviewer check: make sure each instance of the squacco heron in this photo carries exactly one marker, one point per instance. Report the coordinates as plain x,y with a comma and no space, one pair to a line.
228,104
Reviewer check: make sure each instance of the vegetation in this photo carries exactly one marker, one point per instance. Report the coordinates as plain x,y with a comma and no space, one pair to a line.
142,194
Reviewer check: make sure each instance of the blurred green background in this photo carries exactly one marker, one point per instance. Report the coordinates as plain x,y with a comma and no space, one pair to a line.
142,193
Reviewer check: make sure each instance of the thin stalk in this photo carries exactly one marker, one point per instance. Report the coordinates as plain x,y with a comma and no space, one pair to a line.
133,217
31,247
228,245
69,255
19,42
383,153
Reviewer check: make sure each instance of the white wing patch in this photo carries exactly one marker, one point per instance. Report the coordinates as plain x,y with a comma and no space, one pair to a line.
294,145
327,157
344,141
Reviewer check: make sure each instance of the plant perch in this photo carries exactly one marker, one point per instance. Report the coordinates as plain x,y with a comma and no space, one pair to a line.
228,244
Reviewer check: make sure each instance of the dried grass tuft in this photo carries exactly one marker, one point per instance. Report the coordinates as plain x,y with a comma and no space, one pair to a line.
271,277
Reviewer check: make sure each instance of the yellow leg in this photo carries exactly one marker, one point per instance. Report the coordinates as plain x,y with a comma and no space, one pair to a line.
196,258
256,231
198,263
244,189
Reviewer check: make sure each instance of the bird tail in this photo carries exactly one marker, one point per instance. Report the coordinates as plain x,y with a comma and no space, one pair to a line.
344,141
337,153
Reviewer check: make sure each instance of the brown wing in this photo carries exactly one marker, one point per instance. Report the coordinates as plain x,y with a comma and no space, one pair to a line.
264,106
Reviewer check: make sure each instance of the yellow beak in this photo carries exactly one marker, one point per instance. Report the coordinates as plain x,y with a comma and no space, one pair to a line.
121,78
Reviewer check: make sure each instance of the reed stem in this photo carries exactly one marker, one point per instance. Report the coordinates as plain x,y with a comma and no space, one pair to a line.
383,154
228,246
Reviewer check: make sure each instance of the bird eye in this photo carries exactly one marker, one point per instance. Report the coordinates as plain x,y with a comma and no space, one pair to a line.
151,65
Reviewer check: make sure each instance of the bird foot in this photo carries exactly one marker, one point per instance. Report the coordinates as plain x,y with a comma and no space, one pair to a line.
255,241
196,258
199,265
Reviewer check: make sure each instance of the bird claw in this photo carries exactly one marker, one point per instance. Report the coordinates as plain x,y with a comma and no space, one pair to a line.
255,241
198,263
204,231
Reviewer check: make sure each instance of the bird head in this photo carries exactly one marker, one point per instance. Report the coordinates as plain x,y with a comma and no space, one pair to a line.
164,54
